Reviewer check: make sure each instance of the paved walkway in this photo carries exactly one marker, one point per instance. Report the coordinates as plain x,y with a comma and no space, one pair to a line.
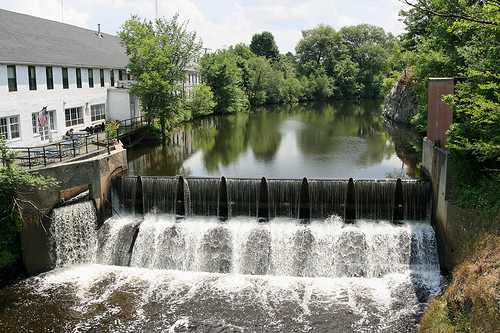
61,151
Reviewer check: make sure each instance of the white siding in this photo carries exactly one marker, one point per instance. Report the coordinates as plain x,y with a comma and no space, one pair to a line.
24,102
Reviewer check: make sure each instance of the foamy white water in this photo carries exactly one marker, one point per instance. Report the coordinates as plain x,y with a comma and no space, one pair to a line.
160,274
126,299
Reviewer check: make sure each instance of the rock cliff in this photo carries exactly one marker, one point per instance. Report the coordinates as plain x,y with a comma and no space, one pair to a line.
400,105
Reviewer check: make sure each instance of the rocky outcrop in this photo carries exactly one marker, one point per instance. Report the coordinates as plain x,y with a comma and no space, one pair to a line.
400,105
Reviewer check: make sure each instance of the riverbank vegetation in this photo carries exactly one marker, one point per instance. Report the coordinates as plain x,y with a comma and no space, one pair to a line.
352,63
13,180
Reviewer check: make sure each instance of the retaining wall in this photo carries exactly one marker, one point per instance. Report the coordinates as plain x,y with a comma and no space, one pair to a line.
451,223
93,174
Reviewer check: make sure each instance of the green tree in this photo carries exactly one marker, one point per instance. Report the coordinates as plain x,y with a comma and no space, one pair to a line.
222,74
345,79
259,80
12,179
159,51
318,48
460,38
264,45
201,100
367,46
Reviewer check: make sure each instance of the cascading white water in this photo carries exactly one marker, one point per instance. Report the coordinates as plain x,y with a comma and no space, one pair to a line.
281,247
243,196
284,197
159,194
73,234
204,275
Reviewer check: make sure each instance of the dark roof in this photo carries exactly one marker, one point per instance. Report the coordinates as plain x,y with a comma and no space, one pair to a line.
27,39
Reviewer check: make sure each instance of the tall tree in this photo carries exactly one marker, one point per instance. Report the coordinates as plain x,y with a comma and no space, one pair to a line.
319,47
159,51
460,38
367,45
263,44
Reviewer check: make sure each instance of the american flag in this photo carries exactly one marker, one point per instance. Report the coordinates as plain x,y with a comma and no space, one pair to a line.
42,117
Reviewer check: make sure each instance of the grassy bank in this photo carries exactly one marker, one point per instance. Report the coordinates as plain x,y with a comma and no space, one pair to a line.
471,303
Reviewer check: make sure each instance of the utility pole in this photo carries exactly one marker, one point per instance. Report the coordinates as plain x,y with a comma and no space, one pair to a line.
62,12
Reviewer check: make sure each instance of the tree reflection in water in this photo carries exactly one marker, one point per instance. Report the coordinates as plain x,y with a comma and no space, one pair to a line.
328,139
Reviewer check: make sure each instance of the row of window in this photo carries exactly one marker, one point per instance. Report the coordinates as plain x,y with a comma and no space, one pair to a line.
49,76
9,126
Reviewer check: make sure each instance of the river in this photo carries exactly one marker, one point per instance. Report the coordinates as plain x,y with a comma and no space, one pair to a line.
161,272
320,140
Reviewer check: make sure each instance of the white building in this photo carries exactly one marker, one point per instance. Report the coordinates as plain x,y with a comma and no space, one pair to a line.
78,74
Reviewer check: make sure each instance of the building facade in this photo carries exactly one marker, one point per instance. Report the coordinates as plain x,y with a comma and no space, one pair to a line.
78,76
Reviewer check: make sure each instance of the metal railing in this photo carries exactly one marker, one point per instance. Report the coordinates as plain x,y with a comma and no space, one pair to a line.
58,151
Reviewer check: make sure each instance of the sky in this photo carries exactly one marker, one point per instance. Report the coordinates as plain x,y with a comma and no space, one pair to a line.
222,23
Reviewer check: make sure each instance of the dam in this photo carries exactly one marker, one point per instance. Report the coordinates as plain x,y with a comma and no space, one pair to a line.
238,255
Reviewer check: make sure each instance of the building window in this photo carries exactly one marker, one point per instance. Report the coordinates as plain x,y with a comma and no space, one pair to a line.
32,77
102,77
9,127
97,112
120,75
78,78
43,131
11,75
65,78
112,76
50,77
73,116
91,78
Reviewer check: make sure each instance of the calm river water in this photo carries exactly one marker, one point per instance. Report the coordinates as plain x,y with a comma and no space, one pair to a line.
321,140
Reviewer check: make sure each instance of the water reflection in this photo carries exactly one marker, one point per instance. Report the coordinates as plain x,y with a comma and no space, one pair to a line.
322,140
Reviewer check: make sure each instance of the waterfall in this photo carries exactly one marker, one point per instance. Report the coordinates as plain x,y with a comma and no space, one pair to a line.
243,196
268,198
159,194
282,247
375,199
327,198
203,197
348,268
123,194
284,196
73,234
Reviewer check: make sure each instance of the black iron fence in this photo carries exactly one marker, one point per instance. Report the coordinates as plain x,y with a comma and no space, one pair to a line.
94,139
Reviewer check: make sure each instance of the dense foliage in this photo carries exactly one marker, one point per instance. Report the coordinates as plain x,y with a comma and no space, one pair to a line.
160,52
461,38
11,180
329,64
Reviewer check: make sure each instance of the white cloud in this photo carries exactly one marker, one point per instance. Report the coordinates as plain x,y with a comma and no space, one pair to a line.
225,22
345,20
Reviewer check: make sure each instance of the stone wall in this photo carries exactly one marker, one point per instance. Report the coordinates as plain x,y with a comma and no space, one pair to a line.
92,174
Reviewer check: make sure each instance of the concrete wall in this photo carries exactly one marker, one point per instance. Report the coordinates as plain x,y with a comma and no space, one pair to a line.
450,222
122,105
93,174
